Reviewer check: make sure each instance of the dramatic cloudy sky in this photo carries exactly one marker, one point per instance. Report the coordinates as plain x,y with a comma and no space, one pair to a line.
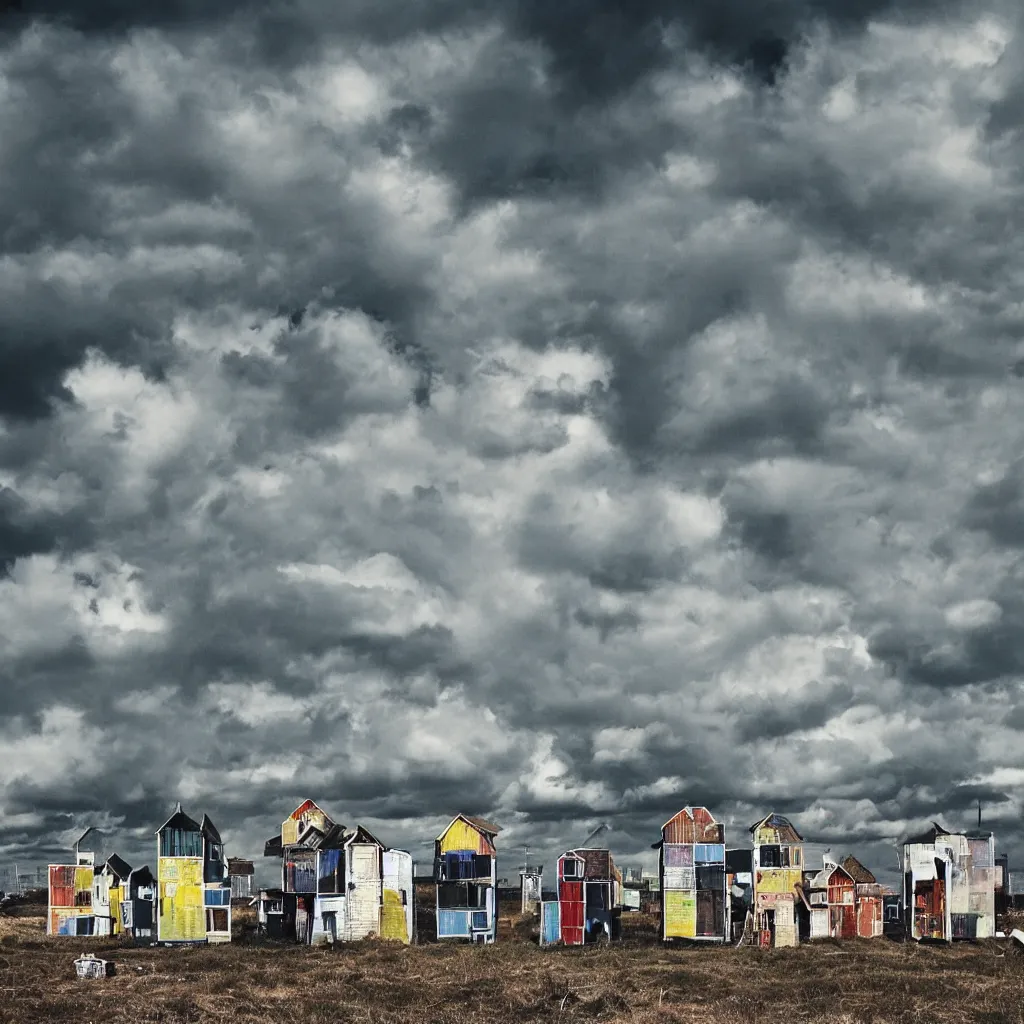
560,412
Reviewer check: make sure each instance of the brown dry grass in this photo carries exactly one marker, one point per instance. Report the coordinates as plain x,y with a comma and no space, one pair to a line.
637,981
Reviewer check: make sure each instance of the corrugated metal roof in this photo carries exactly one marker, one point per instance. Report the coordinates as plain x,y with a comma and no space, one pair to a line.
857,871
483,824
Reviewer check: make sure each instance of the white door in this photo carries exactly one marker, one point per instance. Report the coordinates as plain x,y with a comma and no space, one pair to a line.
363,897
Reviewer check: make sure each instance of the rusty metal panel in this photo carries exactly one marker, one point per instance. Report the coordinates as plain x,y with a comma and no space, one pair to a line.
693,825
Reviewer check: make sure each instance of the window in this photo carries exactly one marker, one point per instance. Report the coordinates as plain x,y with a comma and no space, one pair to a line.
176,842
216,920
785,856
770,857
572,868
795,856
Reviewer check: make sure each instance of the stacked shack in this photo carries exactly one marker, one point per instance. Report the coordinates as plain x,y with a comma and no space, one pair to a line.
693,877
193,890
778,871
70,908
589,899
870,897
830,902
465,874
949,884
337,884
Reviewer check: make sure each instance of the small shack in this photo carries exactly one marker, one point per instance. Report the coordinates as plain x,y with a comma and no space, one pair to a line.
927,874
137,915
466,875
778,872
337,884
589,899
70,889
530,888
829,897
193,891
870,897
241,873
950,884
108,890
692,872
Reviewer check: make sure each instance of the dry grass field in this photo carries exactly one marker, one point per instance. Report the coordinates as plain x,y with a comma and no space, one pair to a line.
637,981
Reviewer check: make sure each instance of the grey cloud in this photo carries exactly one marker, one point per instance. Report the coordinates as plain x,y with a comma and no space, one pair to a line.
545,420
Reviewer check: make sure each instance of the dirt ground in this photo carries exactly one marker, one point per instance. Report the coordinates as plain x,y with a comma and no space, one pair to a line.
378,983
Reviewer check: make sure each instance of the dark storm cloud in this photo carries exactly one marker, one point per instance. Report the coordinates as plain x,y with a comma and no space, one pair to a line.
555,412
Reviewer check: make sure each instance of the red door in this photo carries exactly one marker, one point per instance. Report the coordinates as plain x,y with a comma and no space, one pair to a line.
570,895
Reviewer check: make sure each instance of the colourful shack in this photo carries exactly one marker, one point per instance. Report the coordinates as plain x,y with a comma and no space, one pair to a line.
465,874
830,897
693,877
870,897
589,899
108,890
949,884
778,871
70,889
337,884
193,890
137,915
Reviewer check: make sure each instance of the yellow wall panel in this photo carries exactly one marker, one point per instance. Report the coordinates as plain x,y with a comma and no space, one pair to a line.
777,879
680,914
392,917
462,836
115,910
182,915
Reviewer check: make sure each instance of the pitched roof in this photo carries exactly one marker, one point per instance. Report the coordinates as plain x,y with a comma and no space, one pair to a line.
308,805
210,831
179,819
781,824
118,866
141,876
483,824
479,823
353,835
857,871
822,878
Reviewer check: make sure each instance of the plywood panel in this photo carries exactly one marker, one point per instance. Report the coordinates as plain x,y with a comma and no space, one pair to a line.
680,915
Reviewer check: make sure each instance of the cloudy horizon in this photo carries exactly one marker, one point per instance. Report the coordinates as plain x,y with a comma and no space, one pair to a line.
559,417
